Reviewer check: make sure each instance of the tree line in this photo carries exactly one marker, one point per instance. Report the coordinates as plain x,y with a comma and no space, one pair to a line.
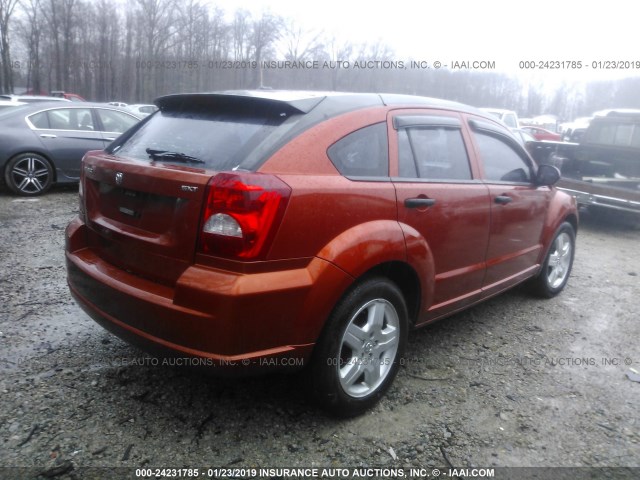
136,50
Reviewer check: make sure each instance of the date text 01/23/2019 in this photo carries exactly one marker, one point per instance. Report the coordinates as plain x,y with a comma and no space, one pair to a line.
314,472
579,65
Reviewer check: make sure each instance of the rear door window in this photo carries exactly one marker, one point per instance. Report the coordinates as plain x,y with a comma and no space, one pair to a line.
433,153
64,119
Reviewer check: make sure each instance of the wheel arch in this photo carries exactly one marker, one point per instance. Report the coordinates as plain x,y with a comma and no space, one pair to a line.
404,277
572,218
562,208
539,284
389,249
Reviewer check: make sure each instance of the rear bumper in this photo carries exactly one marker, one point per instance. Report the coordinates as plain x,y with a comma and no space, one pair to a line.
261,321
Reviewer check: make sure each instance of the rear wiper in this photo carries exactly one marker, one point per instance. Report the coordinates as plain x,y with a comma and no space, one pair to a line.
165,154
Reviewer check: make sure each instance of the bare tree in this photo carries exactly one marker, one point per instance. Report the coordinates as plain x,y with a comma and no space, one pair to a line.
156,22
218,37
192,20
52,16
300,44
95,48
7,8
31,29
99,55
338,52
241,29
265,31
69,10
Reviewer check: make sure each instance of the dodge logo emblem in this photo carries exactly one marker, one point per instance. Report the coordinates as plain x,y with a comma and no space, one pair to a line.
119,178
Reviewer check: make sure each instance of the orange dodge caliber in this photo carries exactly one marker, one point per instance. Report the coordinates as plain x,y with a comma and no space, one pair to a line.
310,230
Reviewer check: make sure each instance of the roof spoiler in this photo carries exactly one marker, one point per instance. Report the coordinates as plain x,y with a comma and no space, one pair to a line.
243,102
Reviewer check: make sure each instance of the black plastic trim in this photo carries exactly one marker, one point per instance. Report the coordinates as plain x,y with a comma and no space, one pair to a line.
406,121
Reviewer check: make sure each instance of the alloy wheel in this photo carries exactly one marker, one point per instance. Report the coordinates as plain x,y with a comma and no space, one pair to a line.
368,348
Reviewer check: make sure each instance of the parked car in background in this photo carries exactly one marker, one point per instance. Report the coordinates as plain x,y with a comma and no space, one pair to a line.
43,143
602,170
73,97
264,230
573,131
9,103
509,117
118,104
542,133
31,98
142,110
574,135
523,136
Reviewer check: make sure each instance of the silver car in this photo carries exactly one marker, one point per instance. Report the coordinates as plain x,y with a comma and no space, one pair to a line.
43,143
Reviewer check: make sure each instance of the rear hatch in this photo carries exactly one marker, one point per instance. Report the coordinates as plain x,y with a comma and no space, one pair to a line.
143,219
143,196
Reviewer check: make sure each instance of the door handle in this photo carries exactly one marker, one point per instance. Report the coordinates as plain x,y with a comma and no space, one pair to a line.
503,199
48,135
419,202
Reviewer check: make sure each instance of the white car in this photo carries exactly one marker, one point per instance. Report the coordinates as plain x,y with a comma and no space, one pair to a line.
142,110
9,103
508,117
30,98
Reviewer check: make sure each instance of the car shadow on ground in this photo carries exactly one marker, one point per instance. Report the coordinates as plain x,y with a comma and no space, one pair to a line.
177,397
182,396
609,221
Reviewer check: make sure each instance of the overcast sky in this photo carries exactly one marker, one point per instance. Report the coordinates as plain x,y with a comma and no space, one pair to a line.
503,31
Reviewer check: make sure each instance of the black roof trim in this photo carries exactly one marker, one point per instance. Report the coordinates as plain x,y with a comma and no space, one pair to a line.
479,125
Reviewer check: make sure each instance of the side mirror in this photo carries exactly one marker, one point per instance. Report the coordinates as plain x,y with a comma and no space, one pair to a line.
547,175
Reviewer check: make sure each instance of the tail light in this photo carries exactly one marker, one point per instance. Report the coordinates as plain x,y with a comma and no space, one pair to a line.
241,214
82,211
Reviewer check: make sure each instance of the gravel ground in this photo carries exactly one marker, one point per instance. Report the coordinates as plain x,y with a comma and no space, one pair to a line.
514,382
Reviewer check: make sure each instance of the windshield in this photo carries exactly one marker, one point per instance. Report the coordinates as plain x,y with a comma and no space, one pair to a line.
219,140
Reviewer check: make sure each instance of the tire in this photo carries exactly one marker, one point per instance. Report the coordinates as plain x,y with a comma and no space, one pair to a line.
357,356
28,174
557,264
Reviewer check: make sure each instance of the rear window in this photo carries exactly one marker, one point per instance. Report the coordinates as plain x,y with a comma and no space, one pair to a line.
221,140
